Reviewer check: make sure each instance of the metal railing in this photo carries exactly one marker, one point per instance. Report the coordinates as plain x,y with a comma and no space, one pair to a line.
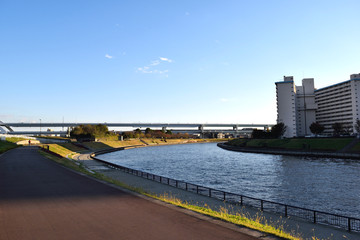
347,223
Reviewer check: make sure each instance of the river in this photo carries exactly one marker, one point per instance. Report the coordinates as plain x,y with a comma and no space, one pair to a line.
324,184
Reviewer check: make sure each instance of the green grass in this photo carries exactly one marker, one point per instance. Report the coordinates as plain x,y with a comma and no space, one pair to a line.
14,139
5,146
257,223
356,148
320,144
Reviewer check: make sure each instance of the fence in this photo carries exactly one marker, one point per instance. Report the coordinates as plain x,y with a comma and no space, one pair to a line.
348,223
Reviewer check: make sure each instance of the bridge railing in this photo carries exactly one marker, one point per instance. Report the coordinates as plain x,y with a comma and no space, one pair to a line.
344,222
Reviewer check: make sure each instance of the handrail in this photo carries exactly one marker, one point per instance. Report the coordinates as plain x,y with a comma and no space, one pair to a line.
320,217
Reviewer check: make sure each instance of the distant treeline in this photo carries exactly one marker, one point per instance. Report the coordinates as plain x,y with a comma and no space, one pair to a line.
150,133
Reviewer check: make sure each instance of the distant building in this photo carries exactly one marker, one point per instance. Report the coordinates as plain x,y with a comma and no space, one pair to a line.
299,106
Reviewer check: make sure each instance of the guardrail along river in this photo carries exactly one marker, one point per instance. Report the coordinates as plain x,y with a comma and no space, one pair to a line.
330,185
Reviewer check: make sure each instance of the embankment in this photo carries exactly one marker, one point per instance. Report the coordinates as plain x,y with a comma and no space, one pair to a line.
307,152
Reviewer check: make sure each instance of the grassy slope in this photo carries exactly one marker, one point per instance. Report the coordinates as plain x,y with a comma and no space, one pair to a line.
5,146
356,148
14,139
322,144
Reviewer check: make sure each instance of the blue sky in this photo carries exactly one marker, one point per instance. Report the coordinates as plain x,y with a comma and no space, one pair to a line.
168,61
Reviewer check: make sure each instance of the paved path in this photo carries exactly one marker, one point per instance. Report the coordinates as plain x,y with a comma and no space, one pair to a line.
42,200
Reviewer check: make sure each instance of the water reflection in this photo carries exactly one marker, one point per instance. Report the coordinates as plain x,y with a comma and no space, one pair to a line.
323,184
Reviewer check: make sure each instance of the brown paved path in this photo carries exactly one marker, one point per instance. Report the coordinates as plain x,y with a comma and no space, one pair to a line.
41,200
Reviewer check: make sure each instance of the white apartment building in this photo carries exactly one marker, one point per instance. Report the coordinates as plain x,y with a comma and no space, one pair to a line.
296,106
339,103
299,106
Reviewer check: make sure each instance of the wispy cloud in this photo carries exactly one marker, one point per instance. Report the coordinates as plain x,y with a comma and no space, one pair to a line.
165,59
150,68
108,56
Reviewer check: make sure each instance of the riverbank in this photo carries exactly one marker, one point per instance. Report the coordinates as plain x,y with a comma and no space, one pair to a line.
297,226
318,147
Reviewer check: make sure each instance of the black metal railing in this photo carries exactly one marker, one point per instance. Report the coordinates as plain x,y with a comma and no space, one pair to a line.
348,223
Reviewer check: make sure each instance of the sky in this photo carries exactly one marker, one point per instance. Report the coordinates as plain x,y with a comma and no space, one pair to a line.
168,61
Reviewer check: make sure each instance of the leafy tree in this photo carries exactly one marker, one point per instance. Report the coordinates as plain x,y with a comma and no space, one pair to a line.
89,131
148,131
316,128
337,128
357,126
169,132
278,130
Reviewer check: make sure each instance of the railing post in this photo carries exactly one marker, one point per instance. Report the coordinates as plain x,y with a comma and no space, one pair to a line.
160,179
241,200
153,177
349,224
286,211
314,216
186,187
224,196
176,183
197,189
209,192
262,205
168,182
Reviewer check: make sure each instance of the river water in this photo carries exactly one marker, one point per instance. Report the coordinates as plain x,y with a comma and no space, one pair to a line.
323,184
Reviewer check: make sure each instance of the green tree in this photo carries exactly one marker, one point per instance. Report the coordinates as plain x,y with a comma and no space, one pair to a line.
357,126
337,128
89,131
148,131
316,128
278,130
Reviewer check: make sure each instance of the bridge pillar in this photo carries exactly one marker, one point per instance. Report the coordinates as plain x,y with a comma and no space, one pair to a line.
164,129
235,128
201,129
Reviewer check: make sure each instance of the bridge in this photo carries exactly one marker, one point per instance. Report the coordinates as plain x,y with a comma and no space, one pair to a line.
174,127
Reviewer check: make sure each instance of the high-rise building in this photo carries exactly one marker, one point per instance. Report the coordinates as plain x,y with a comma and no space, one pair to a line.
296,105
299,106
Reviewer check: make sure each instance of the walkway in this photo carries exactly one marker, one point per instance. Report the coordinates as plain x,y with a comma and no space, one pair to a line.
42,200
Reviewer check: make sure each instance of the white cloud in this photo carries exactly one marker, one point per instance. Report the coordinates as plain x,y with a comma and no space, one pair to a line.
150,67
108,56
165,59
154,63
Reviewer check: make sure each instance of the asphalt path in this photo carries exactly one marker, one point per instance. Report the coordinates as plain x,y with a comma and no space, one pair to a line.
40,199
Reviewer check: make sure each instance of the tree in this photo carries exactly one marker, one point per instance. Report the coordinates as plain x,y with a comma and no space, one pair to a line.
148,131
89,131
357,126
316,128
278,130
338,128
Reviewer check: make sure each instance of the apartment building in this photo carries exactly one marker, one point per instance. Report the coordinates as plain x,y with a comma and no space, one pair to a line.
296,105
299,106
339,103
